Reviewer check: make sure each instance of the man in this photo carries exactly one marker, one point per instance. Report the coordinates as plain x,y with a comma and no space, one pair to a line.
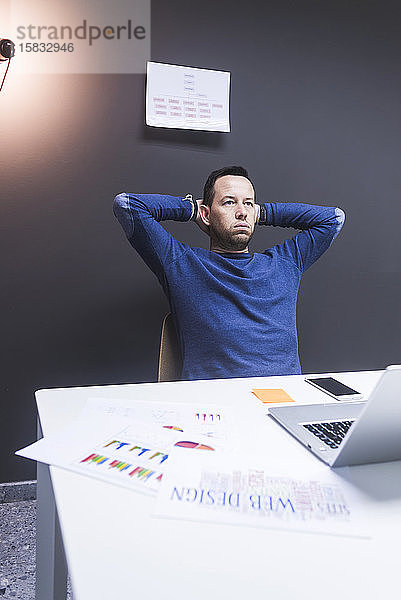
235,311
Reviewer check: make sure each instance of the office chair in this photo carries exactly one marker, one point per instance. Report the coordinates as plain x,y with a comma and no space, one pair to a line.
170,361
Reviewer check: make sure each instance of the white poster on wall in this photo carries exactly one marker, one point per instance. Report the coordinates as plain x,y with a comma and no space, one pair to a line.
187,98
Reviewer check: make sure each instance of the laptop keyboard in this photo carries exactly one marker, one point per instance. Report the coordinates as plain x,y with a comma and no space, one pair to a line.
331,433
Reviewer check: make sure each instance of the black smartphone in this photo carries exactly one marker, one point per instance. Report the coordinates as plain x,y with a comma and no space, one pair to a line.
334,388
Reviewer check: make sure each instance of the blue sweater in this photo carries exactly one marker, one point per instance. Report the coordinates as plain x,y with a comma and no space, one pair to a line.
235,314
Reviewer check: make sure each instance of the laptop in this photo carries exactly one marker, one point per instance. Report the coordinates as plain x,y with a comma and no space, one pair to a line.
350,433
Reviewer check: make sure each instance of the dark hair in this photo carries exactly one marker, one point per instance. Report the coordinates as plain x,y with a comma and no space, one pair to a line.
208,190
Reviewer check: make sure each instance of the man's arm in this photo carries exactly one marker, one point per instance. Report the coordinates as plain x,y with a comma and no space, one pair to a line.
319,227
140,216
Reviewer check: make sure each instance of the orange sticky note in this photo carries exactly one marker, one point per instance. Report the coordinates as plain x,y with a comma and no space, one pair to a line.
272,396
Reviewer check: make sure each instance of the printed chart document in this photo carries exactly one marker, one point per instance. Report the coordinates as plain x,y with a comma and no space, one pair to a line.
222,489
208,419
113,449
187,98
128,443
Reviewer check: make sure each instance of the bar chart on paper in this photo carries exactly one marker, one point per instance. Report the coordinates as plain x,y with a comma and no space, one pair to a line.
187,98
128,443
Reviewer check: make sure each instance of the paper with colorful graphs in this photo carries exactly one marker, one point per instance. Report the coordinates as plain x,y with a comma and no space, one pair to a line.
206,419
110,443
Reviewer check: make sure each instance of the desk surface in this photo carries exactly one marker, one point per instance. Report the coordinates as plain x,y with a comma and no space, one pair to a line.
116,550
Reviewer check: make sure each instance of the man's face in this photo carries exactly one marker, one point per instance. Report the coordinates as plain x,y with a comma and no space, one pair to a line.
231,217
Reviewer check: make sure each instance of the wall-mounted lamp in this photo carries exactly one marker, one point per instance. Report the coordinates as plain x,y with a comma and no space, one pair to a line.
7,51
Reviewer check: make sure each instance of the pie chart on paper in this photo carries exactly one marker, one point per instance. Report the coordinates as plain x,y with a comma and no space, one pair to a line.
193,445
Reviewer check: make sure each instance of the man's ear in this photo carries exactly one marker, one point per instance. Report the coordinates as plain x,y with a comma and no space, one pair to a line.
204,211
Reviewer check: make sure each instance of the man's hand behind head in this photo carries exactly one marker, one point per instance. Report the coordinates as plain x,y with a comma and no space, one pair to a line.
257,213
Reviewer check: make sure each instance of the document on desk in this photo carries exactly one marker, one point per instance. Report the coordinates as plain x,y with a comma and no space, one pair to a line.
204,418
126,451
114,449
221,489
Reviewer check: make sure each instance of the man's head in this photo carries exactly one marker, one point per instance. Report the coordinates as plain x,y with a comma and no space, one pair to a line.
228,209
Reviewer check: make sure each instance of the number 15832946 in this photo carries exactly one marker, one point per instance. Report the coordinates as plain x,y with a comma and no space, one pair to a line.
46,47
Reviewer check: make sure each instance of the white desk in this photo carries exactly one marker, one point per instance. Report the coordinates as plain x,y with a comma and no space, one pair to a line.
116,550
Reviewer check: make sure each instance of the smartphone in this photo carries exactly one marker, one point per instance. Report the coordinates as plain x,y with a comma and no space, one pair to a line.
335,388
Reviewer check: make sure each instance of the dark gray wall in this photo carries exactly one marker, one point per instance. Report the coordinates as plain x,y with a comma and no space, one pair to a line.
315,118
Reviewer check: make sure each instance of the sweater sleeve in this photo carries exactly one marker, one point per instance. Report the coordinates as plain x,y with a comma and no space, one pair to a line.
319,227
140,216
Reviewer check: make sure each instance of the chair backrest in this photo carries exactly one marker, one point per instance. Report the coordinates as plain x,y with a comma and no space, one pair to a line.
170,361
